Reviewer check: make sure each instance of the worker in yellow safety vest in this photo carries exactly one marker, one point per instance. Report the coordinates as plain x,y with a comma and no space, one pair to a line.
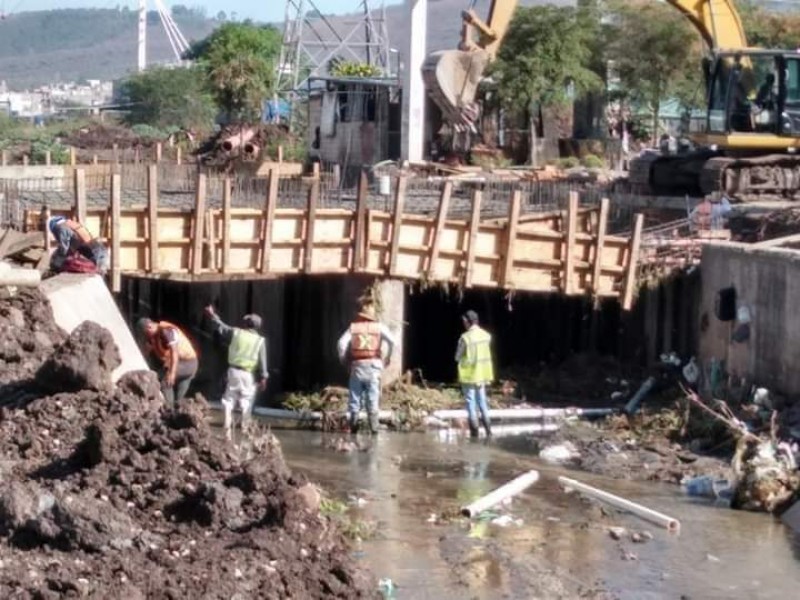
178,358
361,348
247,365
475,370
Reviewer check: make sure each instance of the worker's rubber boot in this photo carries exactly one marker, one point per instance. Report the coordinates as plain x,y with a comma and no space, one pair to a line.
473,429
353,424
487,425
374,423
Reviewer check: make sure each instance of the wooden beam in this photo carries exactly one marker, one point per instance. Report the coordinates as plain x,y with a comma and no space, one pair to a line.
337,175
567,285
269,218
226,225
152,216
25,160
633,259
79,188
315,172
212,239
397,222
311,216
360,246
178,156
116,245
511,238
48,158
472,241
159,152
73,156
600,240
438,229
3,158
44,218
199,215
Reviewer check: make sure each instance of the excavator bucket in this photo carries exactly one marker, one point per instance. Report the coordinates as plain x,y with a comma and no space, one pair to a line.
451,78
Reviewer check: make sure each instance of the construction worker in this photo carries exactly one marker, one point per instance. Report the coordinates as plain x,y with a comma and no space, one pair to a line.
361,348
475,370
74,240
247,365
178,357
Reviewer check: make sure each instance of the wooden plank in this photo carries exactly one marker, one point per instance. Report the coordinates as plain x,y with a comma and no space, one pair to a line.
511,238
600,239
269,218
3,158
633,258
441,219
73,156
48,158
199,215
311,215
159,152
212,239
360,246
397,222
44,217
226,225
567,285
152,217
116,218
474,222
79,189
178,156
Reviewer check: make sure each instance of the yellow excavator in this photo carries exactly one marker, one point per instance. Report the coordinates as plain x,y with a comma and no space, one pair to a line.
751,142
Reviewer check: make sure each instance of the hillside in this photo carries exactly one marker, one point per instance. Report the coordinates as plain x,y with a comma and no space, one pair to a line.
65,45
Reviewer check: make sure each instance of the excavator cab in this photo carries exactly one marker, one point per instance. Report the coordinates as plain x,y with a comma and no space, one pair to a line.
755,92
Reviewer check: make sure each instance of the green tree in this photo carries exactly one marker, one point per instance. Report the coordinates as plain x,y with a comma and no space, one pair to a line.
770,29
543,60
655,54
164,98
240,62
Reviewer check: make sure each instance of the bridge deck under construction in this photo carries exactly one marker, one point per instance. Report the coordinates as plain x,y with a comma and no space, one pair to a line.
565,251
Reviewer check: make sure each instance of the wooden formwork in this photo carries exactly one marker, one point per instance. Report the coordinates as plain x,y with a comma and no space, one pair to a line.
562,251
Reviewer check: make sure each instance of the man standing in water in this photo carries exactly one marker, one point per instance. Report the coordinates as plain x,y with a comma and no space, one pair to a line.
475,370
360,347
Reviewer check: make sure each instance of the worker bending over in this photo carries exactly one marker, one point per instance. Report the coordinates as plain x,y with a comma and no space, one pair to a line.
247,365
475,370
77,250
361,348
178,357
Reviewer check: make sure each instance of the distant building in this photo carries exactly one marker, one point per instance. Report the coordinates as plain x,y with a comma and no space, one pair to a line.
354,122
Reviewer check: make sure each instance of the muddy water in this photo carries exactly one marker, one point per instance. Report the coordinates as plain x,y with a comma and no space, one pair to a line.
406,478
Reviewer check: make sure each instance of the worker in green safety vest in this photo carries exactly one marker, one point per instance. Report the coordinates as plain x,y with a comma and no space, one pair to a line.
475,370
247,365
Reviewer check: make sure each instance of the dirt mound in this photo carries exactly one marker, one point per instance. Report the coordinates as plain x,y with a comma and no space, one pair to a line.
100,136
109,494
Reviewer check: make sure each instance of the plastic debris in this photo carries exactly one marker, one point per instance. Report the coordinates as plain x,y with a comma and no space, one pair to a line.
616,533
506,520
708,487
386,587
558,453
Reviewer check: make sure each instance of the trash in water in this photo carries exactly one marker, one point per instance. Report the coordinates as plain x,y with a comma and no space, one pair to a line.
507,520
616,533
559,452
386,587
708,487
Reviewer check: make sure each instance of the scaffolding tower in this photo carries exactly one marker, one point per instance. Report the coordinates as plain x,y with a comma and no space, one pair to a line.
311,40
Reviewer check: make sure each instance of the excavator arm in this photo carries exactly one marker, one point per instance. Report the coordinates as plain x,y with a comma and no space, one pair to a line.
452,76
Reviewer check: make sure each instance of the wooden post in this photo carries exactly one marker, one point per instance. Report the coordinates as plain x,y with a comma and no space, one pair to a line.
79,187
361,234
25,160
311,215
199,215
441,219
159,151
95,159
152,216
44,218
116,217
397,222
633,260
3,158
178,156
115,151
315,172
48,158
280,154
337,175
511,238
136,155
73,156
269,218
226,224
212,239
600,238
567,285
472,242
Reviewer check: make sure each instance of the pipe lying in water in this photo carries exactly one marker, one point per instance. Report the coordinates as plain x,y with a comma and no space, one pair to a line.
529,413
512,488
295,415
672,525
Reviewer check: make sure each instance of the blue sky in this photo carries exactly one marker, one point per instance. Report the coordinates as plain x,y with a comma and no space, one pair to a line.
262,10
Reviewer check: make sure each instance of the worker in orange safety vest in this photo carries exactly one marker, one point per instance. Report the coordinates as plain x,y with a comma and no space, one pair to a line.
178,358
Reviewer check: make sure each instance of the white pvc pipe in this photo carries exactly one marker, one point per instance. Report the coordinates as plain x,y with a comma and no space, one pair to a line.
296,415
20,277
640,511
528,413
512,488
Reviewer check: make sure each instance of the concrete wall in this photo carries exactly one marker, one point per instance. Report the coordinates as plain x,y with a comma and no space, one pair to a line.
767,282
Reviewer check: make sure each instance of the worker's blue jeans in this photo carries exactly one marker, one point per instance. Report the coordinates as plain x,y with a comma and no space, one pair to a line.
475,394
367,387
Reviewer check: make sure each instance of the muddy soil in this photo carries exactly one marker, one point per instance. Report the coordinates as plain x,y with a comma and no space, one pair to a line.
108,494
